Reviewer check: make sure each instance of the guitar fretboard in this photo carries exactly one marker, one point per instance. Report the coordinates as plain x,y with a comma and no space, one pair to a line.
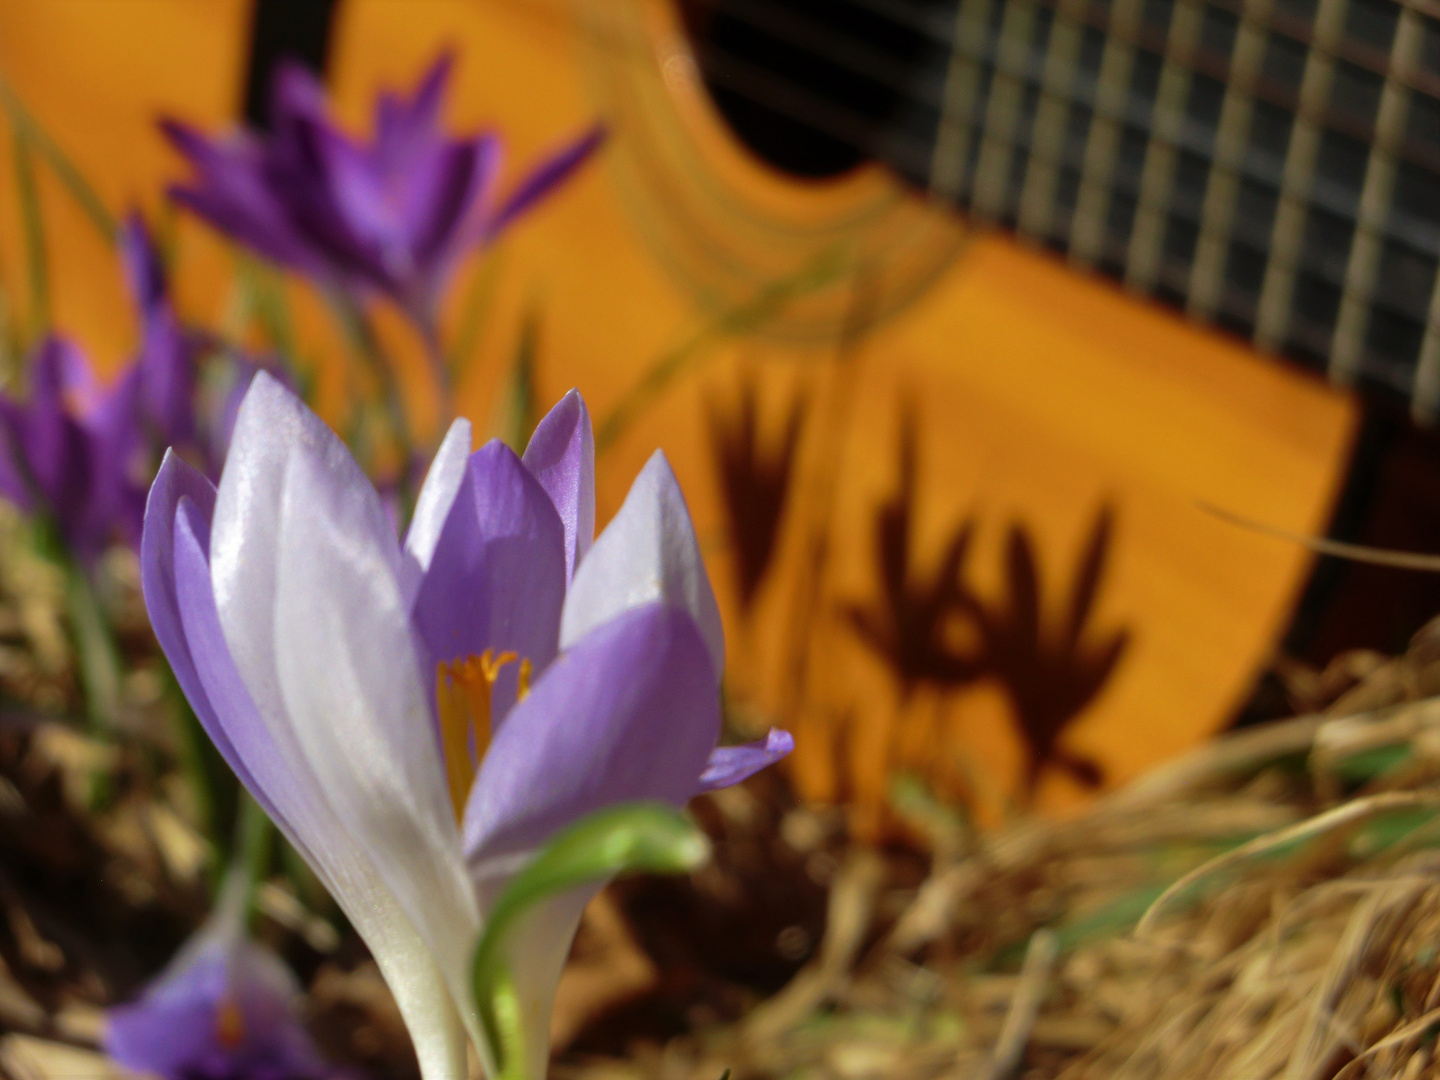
1271,166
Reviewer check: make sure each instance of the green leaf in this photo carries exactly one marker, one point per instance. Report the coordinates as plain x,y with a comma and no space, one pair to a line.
519,412
476,308
767,304
631,838
64,169
37,268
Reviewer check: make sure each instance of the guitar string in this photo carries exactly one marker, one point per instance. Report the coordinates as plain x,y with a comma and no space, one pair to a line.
1237,234
1215,235
1288,229
765,86
1157,176
1222,184
1054,107
1088,231
1367,246
1265,168
1302,149
1003,115
1097,14
1426,388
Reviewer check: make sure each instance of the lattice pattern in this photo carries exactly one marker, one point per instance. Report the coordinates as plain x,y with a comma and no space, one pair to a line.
1269,165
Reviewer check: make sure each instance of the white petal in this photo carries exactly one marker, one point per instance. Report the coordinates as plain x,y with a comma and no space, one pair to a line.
271,427
432,507
648,552
343,864
350,680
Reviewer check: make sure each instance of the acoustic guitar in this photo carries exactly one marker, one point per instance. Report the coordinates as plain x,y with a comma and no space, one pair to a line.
938,309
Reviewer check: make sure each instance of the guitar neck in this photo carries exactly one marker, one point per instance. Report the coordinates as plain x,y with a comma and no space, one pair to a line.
1270,166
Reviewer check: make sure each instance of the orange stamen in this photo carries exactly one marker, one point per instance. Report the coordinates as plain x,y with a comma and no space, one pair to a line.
229,1024
462,698
524,680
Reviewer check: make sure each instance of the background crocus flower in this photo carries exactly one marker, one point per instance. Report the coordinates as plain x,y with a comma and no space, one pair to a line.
418,718
392,215
226,1008
68,449
167,355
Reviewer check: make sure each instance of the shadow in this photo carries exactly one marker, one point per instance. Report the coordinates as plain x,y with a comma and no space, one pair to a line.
907,628
1051,677
1049,673
754,484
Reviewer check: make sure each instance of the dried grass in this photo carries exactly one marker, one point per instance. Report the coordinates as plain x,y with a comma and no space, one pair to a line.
1267,907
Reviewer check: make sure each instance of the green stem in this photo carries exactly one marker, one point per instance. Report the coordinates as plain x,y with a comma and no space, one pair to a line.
37,268
64,169
519,411
509,1026
254,845
95,648
476,309
360,336
439,369
744,318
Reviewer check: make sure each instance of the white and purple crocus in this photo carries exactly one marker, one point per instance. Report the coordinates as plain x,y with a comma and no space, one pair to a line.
419,717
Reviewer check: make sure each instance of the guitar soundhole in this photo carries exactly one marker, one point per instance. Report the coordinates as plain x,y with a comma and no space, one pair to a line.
815,87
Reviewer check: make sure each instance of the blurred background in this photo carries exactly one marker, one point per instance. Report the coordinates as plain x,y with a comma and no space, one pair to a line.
1003,349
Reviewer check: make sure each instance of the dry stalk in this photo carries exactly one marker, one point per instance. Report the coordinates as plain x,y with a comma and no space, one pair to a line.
1024,1006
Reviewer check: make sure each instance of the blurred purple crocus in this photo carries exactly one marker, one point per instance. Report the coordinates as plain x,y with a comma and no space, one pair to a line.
77,448
391,216
166,359
68,449
420,717
226,1008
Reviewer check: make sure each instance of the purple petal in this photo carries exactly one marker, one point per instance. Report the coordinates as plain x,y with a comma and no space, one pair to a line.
445,191
226,1012
14,475
179,484
631,712
232,193
59,371
143,272
561,455
544,177
79,470
731,764
325,185
352,209
401,127
497,576
295,93
167,377
648,552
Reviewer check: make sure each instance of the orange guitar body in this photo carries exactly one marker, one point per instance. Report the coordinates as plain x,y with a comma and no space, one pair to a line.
1037,399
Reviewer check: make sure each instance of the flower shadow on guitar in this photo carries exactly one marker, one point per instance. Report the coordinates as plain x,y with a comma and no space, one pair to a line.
1048,674
1050,678
755,482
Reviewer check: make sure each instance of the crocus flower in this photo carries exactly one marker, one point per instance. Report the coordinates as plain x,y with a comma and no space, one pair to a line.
419,717
166,358
226,1008
391,216
69,447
